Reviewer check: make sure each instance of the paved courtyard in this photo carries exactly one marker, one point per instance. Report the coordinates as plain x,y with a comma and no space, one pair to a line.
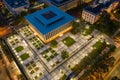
31,65
41,61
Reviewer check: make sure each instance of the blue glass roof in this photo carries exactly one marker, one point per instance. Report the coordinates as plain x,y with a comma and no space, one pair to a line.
16,3
59,2
97,9
44,25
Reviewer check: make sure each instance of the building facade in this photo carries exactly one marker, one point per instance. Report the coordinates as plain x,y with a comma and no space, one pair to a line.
16,6
92,13
63,4
89,17
49,23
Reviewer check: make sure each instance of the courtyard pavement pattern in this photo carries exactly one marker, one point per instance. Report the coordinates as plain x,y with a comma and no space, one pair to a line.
77,51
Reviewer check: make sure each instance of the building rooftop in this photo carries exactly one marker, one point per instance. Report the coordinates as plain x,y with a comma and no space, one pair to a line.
59,2
16,3
96,9
48,19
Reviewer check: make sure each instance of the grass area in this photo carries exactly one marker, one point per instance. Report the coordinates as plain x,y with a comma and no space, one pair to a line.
19,48
24,56
97,44
64,77
53,44
68,41
64,55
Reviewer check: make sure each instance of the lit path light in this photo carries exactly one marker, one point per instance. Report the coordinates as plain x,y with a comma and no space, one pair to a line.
61,35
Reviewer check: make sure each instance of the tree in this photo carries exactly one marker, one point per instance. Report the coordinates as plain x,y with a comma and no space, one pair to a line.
54,44
1,23
112,48
23,13
106,25
75,29
115,78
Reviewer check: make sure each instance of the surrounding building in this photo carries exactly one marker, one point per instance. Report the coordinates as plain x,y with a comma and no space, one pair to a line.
50,23
92,13
16,6
63,4
112,6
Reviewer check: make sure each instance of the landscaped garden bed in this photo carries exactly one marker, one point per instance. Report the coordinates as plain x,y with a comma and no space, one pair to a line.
24,56
53,44
68,41
49,54
19,48
64,55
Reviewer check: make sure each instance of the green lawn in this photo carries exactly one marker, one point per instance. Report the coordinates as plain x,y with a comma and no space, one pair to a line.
19,48
24,56
64,77
97,44
68,41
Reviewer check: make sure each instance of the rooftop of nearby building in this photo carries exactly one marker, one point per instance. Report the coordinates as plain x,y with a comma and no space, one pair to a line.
16,3
59,2
96,9
48,19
